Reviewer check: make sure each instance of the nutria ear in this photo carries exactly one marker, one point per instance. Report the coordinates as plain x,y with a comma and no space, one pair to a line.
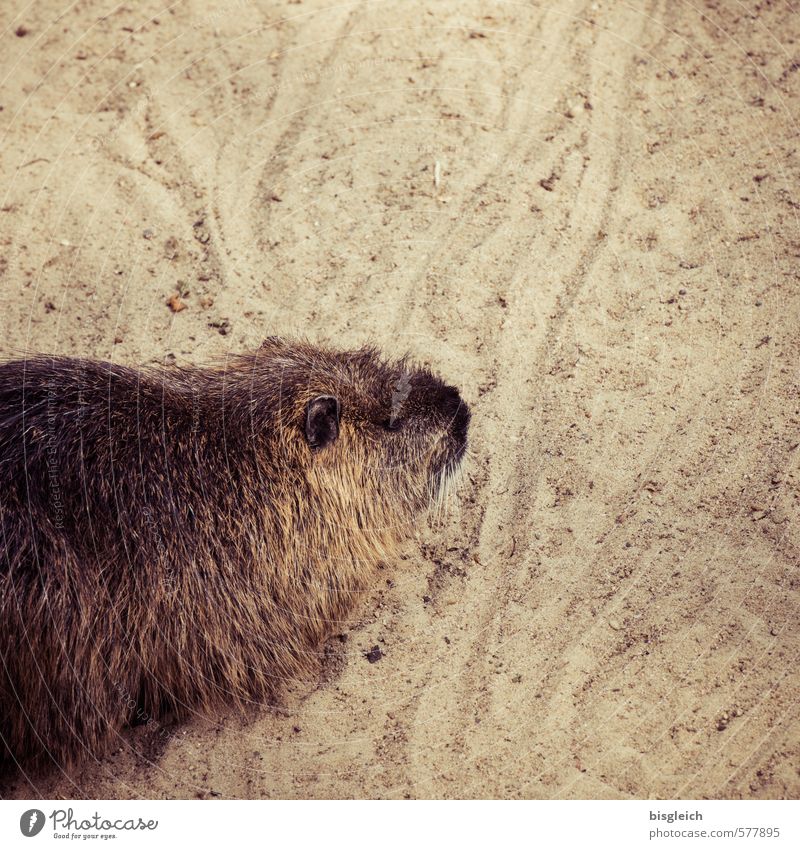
322,421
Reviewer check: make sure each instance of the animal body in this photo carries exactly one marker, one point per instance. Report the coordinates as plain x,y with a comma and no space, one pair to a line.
186,538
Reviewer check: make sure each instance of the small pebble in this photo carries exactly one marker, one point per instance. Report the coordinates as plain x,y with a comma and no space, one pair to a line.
222,327
175,303
374,654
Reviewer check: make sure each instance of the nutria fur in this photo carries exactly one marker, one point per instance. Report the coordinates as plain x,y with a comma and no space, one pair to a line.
192,536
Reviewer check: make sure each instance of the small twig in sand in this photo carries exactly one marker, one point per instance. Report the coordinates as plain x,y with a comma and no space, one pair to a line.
33,162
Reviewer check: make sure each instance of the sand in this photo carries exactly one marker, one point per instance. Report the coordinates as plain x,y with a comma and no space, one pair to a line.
583,213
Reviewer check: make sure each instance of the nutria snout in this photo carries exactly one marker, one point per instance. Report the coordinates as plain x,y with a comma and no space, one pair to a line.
184,538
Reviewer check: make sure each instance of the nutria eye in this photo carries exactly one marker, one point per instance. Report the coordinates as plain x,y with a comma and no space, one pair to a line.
393,424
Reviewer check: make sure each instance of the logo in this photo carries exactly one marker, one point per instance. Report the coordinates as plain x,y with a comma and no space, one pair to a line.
31,822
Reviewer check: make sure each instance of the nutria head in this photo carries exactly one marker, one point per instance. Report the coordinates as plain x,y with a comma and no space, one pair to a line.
383,432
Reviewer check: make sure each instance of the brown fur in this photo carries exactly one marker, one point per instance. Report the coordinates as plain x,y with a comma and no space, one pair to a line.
173,535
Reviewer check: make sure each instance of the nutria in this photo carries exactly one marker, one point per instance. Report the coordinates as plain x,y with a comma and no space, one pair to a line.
192,536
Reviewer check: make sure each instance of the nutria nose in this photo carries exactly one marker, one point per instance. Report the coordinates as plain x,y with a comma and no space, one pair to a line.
456,410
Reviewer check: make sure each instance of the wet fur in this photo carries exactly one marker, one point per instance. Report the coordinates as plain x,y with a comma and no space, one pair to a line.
171,536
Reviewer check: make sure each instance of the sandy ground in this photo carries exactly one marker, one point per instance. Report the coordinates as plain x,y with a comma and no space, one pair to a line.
605,259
